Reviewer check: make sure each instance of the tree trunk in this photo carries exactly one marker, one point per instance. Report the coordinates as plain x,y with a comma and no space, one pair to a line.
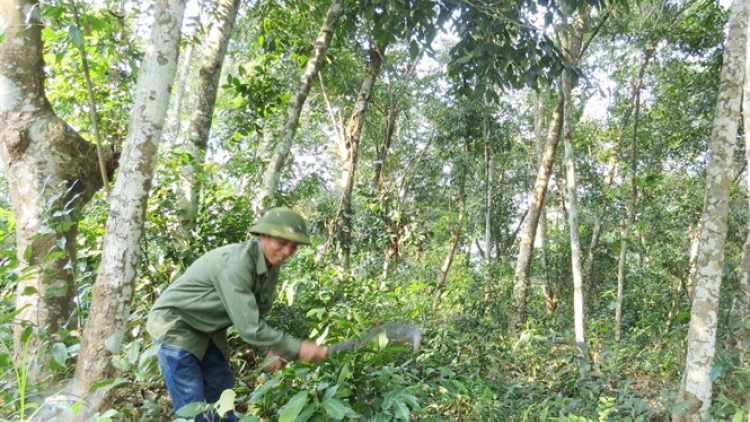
113,290
488,175
52,173
536,205
455,238
695,391
572,207
215,50
349,151
629,220
611,171
175,115
393,110
550,292
272,176
572,190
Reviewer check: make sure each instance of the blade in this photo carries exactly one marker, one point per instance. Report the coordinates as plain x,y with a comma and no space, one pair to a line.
391,332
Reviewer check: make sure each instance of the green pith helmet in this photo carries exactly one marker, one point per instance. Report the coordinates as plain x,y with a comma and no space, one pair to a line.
283,223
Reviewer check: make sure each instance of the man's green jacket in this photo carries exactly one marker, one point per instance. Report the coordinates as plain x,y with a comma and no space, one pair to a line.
228,286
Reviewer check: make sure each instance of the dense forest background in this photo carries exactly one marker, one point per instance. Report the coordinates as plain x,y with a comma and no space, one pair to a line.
556,192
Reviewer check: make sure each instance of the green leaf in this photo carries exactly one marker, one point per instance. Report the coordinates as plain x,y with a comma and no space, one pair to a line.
306,412
402,411
2,35
263,389
335,408
193,409
291,410
76,36
226,402
250,418
29,290
59,353
26,334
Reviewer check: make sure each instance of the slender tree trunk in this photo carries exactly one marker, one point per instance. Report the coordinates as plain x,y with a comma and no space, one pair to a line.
695,391
550,292
215,50
113,290
52,173
629,220
455,239
572,190
349,151
393,110
264,198
612,170
488,175
572,206
176,112
536,205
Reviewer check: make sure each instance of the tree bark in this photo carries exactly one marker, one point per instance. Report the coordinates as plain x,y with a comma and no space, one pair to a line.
455,238
695,391
175,115
629,220
393,110
349,152
272,176
113,290
52,173
550,292
536,205
215,50
488,175
571,189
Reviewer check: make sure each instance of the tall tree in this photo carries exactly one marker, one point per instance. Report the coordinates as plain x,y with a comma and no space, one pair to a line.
531,222
214,50
628,220
349,151
113,290
488,193
614,161
695,391
460,176
295,105
52,173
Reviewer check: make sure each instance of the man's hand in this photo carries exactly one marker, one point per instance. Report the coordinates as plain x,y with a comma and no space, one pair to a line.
275,365
311,352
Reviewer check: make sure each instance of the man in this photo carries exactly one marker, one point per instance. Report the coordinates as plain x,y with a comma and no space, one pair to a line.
229,286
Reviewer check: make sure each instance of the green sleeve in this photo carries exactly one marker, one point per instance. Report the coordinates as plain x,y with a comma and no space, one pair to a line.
234,285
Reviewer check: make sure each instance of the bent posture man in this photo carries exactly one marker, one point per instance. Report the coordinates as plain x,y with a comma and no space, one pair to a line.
229,286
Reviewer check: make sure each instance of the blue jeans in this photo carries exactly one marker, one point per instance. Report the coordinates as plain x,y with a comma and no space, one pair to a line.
191,380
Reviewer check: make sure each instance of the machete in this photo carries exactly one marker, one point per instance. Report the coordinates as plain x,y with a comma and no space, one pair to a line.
397,332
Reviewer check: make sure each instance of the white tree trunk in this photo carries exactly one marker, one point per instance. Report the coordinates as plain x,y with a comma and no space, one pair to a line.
113,290
52,173
572,206
573,55
695,391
